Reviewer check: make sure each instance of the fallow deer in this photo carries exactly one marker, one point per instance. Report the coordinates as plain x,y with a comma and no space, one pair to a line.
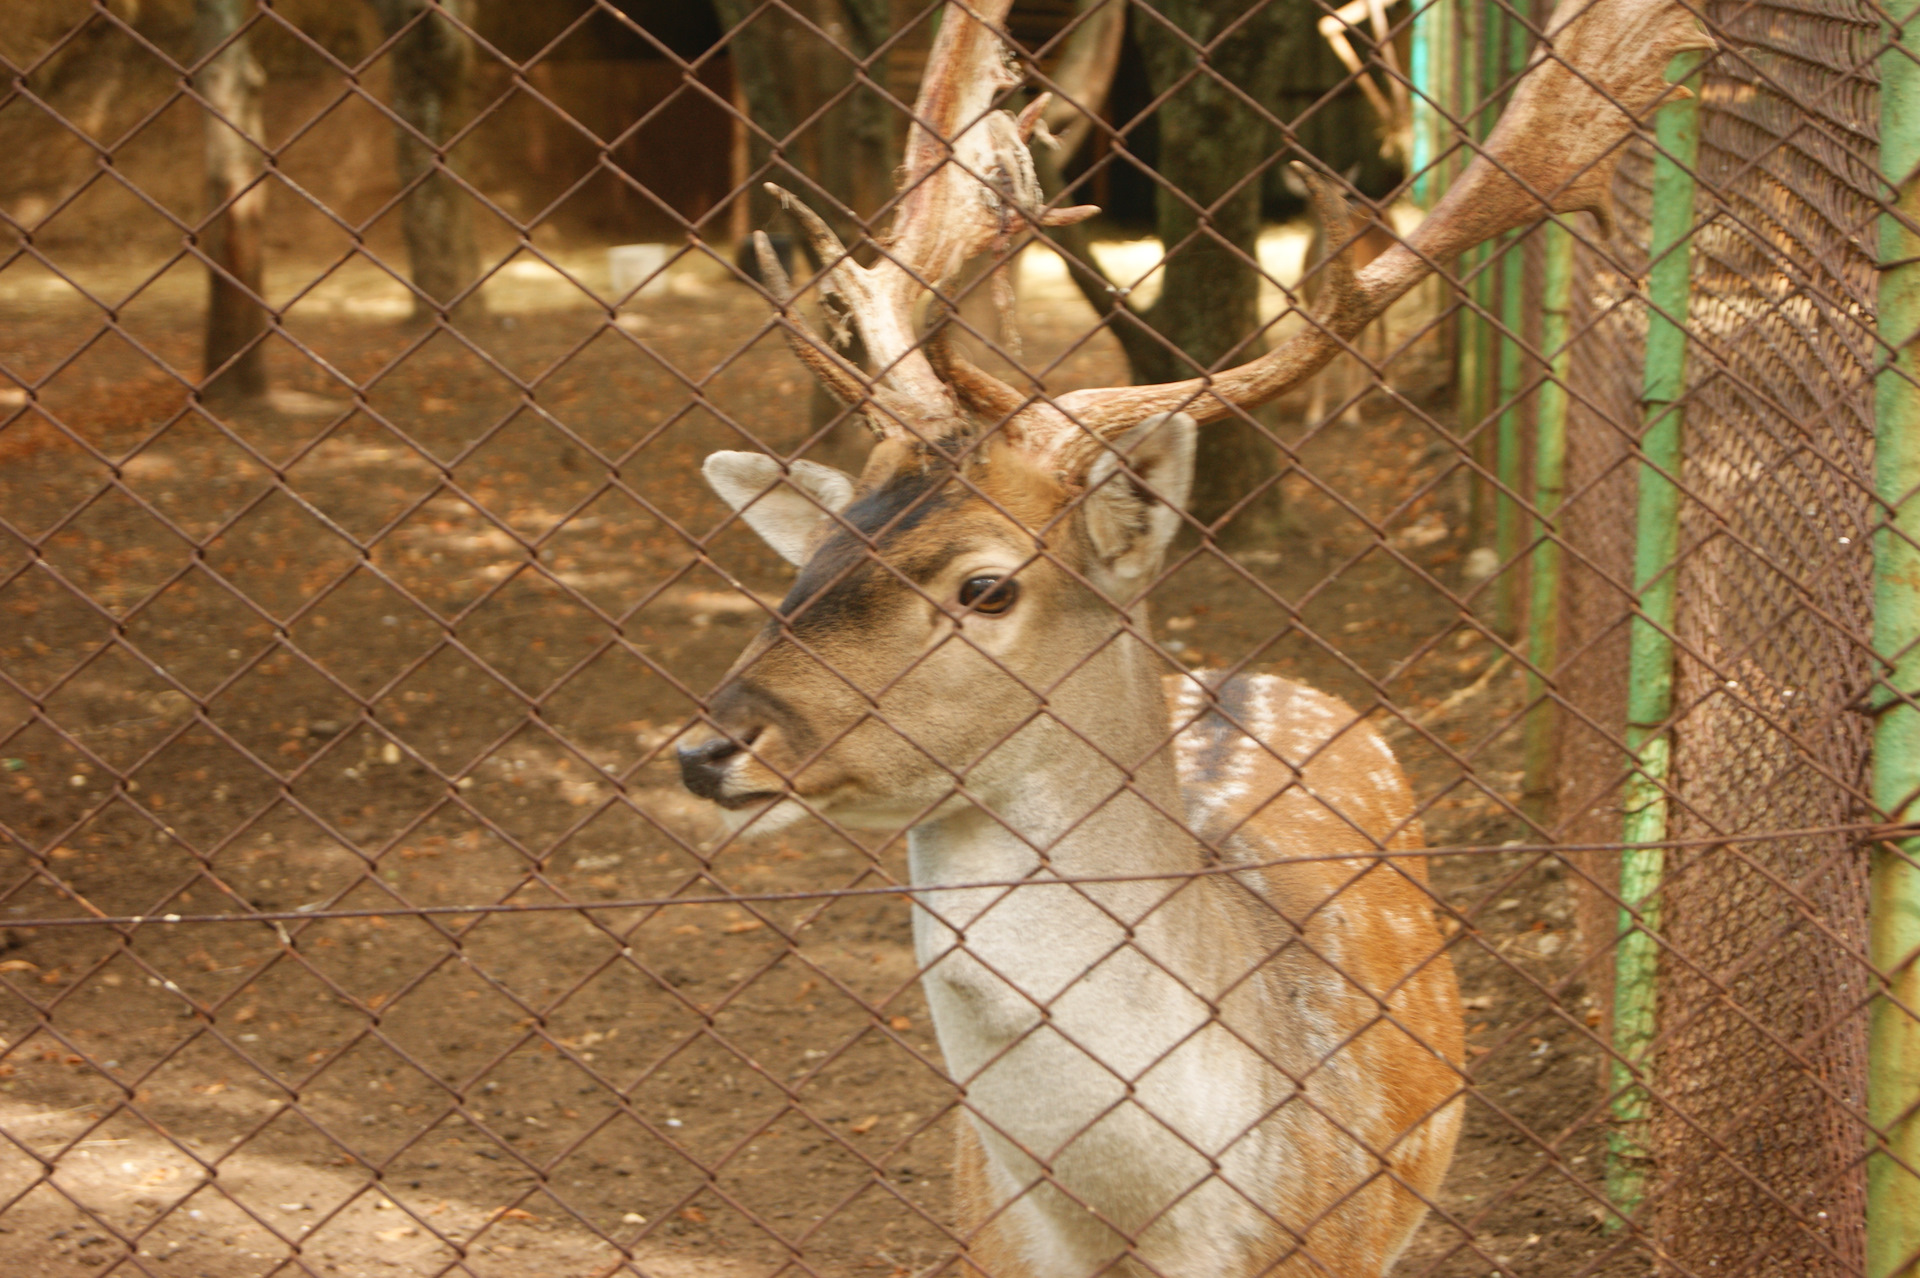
1174,934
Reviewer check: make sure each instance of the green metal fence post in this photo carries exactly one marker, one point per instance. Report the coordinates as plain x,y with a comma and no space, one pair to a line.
1422,63
1549,486
1509,367
1650,647
1508,370
1477,339
1893,1070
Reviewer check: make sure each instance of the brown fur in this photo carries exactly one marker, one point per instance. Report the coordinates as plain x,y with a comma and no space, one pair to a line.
1412,1052
859,689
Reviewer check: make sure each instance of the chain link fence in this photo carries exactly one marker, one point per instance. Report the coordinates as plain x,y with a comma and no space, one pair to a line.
364,622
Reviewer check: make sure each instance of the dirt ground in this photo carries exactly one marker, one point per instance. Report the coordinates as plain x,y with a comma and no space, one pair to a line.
443,665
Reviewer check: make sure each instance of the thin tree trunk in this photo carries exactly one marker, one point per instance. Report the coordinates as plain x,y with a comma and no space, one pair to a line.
236,203
784,74
762,72
872,122
431,62
1214,150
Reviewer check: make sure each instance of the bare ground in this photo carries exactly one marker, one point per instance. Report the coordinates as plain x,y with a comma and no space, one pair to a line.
442,665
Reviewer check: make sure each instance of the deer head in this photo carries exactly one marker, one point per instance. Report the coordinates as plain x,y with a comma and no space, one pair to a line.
981,578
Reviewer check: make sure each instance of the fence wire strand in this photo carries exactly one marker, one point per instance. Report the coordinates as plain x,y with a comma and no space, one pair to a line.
387,654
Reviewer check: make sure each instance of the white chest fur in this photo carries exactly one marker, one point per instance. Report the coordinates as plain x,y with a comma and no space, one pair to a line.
1101,1085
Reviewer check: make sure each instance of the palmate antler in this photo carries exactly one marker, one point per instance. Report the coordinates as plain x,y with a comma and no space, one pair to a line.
1584,95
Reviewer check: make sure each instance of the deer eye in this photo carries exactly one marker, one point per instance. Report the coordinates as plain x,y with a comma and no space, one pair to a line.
990,595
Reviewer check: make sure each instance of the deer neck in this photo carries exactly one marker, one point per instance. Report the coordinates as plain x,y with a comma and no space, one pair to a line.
1051,801
1053,804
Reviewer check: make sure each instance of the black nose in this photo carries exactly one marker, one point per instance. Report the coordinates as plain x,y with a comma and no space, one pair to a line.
703,767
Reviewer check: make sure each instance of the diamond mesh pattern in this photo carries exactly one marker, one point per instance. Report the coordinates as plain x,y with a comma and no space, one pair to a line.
353,917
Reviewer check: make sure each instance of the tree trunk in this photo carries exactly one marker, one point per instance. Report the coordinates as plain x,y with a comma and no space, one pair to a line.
762,71
1214,152
785,74
431,62
236,206
872,122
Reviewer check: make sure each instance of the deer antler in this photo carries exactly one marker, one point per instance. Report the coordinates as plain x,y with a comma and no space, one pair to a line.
1598,71
1393,104
968,185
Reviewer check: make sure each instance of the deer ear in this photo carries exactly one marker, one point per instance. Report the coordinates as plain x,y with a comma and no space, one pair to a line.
1132,511
789,506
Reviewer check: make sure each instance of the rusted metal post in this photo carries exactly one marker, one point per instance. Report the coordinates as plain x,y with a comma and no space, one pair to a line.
1650,650
1893,1063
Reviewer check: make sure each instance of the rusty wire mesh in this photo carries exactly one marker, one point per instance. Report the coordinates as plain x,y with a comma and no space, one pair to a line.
354,917
1763,1034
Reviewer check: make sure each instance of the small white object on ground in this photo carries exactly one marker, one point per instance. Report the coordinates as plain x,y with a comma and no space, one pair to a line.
1482,563
641,266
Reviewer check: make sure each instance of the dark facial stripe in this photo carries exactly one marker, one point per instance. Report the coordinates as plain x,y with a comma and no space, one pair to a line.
842,583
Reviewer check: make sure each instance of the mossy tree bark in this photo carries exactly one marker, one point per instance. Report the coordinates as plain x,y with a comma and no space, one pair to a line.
1215,151
759,52
786,72
236,205
431,64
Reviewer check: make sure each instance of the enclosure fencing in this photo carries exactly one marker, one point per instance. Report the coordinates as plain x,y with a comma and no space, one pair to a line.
353,916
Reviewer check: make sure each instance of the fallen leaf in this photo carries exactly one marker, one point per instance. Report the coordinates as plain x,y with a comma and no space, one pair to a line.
865,1125
395,1235
516,1213
633,1218
687,929
901,1022
211,1089
19,965
245,1014
744,925
694,1214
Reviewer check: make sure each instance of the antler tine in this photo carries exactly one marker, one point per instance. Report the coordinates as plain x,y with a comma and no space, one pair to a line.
968,186
978,389
833,254
838,375
1590,84
1339,293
